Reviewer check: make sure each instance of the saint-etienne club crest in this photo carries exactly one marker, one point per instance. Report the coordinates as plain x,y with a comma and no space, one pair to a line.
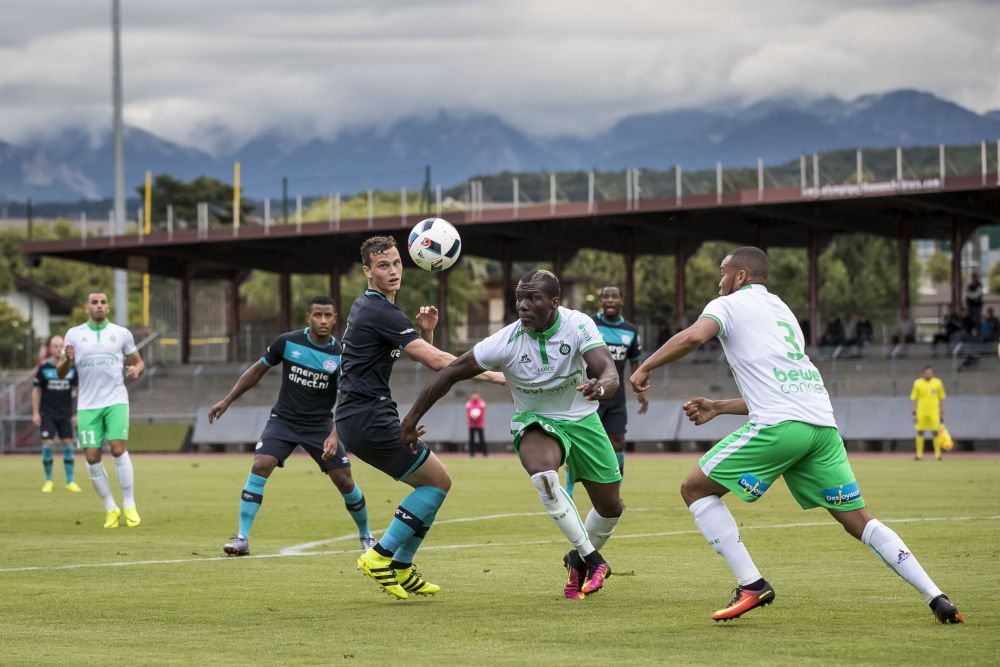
564,349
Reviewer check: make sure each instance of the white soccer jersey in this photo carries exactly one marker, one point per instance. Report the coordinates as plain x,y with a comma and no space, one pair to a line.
100,354
765,348
544,369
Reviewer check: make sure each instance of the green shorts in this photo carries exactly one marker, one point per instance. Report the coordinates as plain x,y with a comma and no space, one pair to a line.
587,452
811,458
93,427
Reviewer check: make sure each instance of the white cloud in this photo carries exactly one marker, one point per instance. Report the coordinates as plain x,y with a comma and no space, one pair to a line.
557,66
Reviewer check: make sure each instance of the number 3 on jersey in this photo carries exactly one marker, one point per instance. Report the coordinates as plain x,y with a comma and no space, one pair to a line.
796,354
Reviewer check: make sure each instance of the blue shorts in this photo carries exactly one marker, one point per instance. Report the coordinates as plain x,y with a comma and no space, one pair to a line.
280,439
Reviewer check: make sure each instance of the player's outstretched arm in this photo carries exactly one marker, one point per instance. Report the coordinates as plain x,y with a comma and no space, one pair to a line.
248,379
679,346
463,368
641,395
599,361
701,409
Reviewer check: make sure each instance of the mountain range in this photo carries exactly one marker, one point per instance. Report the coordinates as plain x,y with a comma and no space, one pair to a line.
73,164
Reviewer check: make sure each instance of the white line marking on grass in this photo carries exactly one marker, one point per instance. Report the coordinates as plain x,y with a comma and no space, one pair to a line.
451,547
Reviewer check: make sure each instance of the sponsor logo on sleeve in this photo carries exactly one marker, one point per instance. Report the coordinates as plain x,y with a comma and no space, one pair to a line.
407,331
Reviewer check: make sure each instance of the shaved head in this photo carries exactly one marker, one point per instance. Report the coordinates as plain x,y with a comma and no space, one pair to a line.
542,280
753,260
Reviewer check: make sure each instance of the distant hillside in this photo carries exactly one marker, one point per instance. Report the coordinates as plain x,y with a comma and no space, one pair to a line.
72,165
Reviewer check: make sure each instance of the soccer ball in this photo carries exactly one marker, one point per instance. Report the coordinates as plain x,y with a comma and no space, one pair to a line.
434,244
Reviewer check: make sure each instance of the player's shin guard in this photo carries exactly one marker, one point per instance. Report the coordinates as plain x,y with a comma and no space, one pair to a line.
422,503
600,528
718,526
355,503
99,478
890,548
250,500
561,508
68,464
47,461
403,557
126,478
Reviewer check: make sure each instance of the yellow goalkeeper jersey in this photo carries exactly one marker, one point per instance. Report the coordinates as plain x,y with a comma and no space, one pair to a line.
928,394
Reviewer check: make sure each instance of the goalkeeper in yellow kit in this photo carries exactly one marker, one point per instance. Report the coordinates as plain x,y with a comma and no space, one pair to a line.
928,410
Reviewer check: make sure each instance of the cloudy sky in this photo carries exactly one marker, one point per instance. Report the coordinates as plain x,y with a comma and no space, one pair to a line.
554,66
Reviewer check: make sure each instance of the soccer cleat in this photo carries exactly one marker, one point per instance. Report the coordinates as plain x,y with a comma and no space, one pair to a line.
945,610
111,518
367,542
237,546
412,582
743,601
47,487
377,567
597,571
575,573
73,487
132,517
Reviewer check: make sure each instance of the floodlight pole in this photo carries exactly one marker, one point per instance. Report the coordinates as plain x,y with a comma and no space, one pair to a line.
121,276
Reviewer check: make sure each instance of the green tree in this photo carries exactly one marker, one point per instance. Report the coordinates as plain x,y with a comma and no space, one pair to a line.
938,266
994,282
13,338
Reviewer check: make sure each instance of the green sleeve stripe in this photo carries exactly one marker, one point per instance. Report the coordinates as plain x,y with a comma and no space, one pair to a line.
722,329
592,346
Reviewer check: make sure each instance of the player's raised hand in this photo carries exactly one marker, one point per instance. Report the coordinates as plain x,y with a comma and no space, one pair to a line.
700,410
217,410
427,318
639,381
70,353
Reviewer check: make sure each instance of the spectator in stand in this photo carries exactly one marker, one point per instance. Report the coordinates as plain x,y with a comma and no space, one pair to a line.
863,330
834,333
989,330
974,298
806,327
664,334
906,330
475,412
950,332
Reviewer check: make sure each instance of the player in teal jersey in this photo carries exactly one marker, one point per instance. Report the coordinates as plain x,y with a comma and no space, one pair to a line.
622,339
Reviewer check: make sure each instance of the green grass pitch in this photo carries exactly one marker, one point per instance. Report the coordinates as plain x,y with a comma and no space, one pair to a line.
71,591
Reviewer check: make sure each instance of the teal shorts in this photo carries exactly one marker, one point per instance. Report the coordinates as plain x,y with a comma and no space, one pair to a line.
811,458
587,451
93,427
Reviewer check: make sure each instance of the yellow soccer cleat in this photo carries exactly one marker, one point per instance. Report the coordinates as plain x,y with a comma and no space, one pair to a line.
412,582
111,518
377,567
47,487
132,517
73,487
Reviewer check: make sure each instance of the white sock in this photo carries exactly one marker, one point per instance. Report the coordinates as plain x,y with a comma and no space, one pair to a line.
719,527
99,478
561,508
126,478
600,528
886,543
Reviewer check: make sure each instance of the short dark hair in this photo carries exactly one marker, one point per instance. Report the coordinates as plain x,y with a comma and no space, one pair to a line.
614,287
753,260
548,281
321,300
376,245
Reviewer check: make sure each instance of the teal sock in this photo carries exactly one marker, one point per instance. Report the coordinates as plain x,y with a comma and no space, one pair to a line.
569,484
621,462
403,558
355,502
253,496
47,461
68,463
423,502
